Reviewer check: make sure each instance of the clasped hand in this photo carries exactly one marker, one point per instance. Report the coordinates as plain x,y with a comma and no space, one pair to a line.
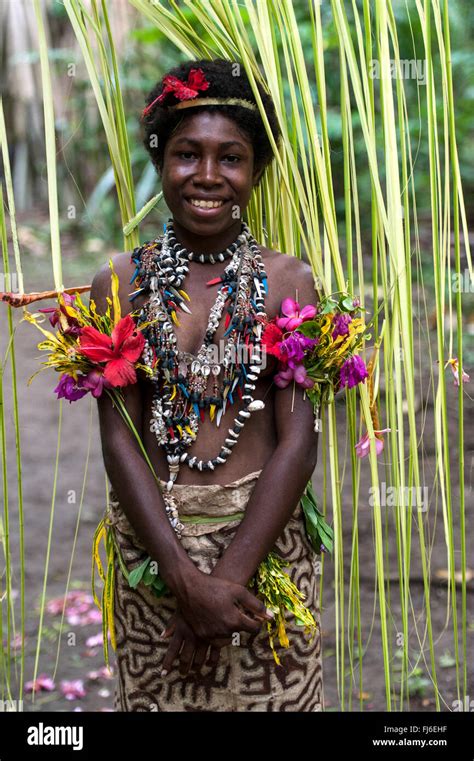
210,610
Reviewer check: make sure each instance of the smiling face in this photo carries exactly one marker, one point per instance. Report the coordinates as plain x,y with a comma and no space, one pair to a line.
208,157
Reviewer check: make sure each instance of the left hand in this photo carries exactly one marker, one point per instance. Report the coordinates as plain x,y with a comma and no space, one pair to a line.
193,649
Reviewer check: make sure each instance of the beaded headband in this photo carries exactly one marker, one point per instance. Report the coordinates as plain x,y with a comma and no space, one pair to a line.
187,92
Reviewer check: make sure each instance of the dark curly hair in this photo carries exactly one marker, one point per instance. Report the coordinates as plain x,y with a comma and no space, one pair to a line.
160,122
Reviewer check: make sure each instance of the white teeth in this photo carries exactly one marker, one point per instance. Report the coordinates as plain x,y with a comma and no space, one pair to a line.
206,204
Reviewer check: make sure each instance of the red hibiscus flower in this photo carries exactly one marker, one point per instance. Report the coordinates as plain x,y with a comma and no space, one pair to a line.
271,340
182,90
120,351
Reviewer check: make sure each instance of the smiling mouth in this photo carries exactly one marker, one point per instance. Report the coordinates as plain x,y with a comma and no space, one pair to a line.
206,208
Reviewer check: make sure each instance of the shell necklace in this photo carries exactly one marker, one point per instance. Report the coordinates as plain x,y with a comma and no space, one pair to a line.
181,380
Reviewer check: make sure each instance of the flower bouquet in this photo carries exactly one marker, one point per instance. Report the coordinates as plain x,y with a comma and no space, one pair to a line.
93,352
316,346
316,349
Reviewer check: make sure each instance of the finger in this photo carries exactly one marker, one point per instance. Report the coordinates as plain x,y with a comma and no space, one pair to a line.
200,656
168,631
249,624
222,641
172,653
214,655
253,605
186,657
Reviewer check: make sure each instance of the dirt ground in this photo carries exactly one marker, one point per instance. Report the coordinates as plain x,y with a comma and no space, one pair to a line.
39,411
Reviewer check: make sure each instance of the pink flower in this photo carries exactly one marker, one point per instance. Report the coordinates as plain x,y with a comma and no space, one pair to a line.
293,348
294,316
95,640
73,689
353,371
95,381
76,601
67,323
341,324
298,374
455,369
17,642
102,673
93,616
70,389
43,682
363,445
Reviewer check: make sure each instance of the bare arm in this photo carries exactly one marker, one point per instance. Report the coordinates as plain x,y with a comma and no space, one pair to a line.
130,475
283,479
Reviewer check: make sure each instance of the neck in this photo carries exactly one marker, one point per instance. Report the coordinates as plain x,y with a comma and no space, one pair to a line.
207,244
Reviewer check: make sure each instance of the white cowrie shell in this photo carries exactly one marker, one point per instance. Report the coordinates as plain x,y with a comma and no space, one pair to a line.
256,405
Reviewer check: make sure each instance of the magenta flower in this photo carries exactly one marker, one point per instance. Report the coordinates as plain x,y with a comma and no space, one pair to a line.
43,682
297,373
67,388
353,371
294,316
73,326
341,324
363,445
95,382
294,347
73,689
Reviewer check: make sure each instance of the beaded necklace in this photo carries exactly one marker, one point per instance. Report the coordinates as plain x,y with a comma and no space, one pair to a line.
180,379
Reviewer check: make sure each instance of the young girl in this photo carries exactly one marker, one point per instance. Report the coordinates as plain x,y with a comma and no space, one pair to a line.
229,492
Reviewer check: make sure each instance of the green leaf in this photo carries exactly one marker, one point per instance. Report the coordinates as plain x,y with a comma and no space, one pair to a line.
310,329
347,304
135,576
308,505
159,587
329,306
318,530
149,577
327,541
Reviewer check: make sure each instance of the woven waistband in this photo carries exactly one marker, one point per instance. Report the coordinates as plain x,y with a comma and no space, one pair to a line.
208,503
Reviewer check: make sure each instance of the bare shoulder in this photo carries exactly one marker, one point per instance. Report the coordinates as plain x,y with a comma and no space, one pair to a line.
102,282
289,276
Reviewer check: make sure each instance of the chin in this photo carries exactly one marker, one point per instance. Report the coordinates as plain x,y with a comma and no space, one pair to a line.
202,225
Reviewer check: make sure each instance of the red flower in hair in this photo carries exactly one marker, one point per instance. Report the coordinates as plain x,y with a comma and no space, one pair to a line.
182,90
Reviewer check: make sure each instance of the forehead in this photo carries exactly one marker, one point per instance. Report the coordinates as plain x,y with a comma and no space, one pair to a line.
209,128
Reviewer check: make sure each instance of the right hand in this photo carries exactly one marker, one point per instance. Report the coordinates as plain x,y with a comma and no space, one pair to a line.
190,651
217,608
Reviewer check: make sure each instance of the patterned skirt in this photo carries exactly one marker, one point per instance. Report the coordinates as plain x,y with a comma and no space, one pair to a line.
246,678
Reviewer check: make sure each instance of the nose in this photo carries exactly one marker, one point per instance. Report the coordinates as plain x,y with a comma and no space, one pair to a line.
208,172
